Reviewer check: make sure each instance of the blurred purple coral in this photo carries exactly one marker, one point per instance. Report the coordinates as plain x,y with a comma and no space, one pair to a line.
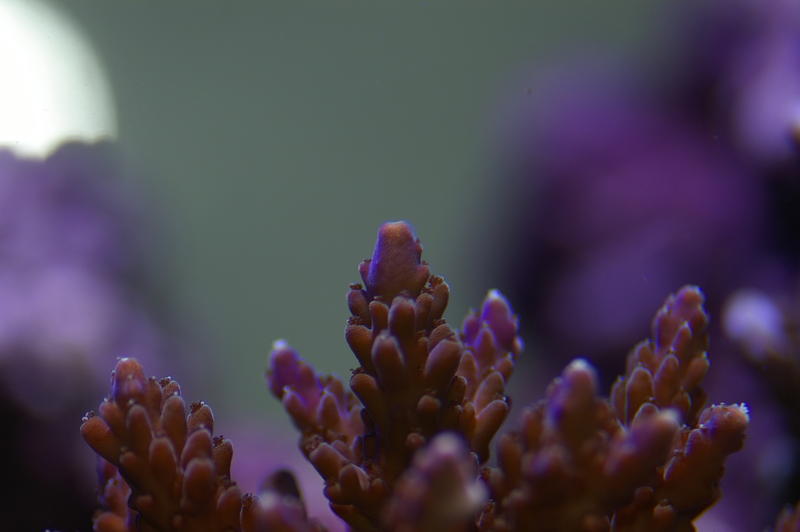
623,202
440,492
635,176
73,283
71,273
737,69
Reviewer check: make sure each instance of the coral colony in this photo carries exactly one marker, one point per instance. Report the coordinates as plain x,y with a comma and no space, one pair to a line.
693,179
74,287
406,447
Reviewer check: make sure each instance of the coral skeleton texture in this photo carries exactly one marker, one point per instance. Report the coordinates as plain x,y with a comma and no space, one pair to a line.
406,447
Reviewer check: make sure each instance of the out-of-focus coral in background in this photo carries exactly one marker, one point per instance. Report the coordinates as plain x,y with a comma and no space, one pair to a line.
677,164
73,297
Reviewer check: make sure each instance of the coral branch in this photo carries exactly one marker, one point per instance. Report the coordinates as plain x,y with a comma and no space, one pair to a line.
406,447
114,516
667,371
166,462
439,493
178,473
580,464
572,464
417,377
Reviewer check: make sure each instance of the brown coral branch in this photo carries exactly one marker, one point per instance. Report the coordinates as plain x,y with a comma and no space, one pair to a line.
439,492
572,464
417,377
667,371
114,515
579,463
178,473
165,460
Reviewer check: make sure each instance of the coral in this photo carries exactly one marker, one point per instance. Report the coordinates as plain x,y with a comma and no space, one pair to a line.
417,377
115,515
572,464
668,369
174,472
583,463
765,329
406,448
647,458
76,290
763,326
439,492
694,180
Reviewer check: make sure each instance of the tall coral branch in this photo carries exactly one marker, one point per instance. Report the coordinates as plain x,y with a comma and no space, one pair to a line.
439,492
667,371
417,377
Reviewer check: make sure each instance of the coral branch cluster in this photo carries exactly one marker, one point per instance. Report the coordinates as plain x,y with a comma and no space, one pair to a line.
573,465
406,446
641,461
164,459
667,372
417,377
647,458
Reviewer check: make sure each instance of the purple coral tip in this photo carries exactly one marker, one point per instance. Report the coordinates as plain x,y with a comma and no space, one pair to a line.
395,265
496,312
283,362
127,381
288,371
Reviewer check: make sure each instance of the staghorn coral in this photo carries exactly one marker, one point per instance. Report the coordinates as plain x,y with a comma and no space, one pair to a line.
407,447
572,464
440,492
583,463
648,457
167,463
418,377
666,372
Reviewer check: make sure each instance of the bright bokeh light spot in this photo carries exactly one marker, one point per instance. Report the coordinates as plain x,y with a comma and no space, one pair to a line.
52,87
